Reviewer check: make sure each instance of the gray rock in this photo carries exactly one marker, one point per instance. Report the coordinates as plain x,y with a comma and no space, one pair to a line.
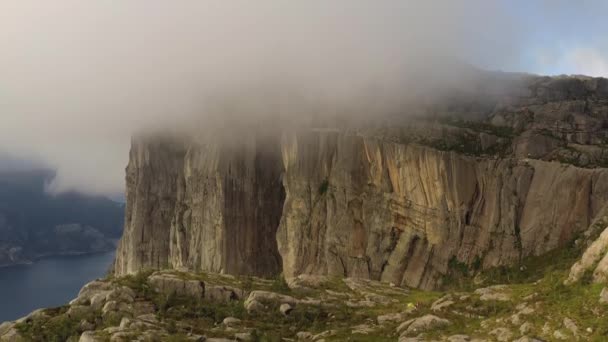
527,339
286,309
246,336
231,321
559,335
493,293
222,294
89,336
254,306
390,318
86,325
526,328
459,338
304,335
422,324
362,329
502,334
570,325
604,296
169,284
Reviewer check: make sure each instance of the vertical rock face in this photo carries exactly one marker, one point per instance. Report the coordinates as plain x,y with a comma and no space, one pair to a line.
345,205
203,205
152,180
360,207
402,203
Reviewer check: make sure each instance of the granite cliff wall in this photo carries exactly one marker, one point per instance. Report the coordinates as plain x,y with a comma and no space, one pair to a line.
342,204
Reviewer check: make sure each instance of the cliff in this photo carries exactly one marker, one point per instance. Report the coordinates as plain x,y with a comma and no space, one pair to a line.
409,203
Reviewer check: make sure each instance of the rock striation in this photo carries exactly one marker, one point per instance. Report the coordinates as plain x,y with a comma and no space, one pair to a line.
404,205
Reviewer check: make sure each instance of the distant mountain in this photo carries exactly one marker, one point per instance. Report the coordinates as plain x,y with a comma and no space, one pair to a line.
34,223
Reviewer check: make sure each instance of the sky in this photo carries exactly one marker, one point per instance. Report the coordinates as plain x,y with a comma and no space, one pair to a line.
79,78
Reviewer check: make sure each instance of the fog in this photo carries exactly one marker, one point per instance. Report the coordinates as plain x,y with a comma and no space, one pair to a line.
78,78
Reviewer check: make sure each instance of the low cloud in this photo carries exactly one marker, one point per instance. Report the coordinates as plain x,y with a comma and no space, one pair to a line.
80,77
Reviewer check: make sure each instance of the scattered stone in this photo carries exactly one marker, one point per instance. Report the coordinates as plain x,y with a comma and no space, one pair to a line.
253,306
270,297
390,318
231,321
378,299
11,335
304,335
337,294
604,296
223,294
459,338
570,325
286,309
76,311
125,323
526,328
169,284
559,335
246,336
515,319
307,281
360,304
89,336
86,325
442,303
493,293
422,324
327,333
527,339
502,334
363,329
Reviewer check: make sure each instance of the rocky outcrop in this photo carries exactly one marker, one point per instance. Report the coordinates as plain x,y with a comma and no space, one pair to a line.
203,206
403,205
348,206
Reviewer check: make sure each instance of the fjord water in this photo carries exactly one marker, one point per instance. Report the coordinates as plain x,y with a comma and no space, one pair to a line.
47,283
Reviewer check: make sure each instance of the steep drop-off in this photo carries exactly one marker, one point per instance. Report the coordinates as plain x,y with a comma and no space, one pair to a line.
405,205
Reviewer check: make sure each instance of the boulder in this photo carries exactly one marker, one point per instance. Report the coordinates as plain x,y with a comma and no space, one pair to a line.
172,284
307,281
223,294
253,306
459,338
390,318
493,293
422,324
362,329
604,296
442,303
231,321
502,334
570,325
246,336
269,297
526,328
89,336
286,309
558,335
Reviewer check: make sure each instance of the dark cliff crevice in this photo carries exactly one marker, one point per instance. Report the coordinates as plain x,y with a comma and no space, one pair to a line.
253,205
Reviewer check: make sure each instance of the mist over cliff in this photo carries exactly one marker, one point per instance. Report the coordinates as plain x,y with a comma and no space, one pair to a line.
80,77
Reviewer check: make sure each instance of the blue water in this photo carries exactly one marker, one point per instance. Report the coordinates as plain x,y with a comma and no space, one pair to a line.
49,282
